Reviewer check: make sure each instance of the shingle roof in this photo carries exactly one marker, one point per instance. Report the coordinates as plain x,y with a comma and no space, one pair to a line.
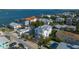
60,34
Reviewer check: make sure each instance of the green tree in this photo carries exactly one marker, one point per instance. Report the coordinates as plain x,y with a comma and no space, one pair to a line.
53,17
24,36
74,21
53,33
57,39
45,17
43,41
77,27
63,16
61,23
51,23
46,41
3,30
38,23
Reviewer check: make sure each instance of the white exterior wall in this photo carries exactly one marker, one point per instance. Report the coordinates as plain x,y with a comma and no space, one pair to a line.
46,34
3,44
27,22
42,31
34,20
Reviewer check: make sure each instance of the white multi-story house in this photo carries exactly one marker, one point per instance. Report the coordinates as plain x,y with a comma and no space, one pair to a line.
44,31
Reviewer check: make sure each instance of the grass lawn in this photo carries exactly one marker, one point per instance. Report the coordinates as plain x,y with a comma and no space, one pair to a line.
3,29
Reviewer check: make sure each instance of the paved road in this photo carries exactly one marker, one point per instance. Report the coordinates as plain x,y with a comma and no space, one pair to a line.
29,44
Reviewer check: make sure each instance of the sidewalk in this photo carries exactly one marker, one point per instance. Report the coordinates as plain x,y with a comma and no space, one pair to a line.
32,45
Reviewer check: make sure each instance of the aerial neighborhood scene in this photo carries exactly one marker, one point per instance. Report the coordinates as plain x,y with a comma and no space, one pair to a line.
39,29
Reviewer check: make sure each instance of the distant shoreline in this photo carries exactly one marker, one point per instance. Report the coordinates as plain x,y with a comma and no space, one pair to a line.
10,15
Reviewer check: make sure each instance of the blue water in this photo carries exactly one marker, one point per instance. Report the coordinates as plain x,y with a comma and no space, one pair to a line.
54,45
9,15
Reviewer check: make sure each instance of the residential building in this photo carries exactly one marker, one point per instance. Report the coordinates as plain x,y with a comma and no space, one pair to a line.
67,13
31,19
63,45
44,31
65,27
27,23
15,25
60,26
72,28
22,31
69,21
4,42
45,20
59,19
46,16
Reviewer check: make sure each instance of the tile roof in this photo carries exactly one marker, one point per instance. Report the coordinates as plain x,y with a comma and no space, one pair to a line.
30,18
